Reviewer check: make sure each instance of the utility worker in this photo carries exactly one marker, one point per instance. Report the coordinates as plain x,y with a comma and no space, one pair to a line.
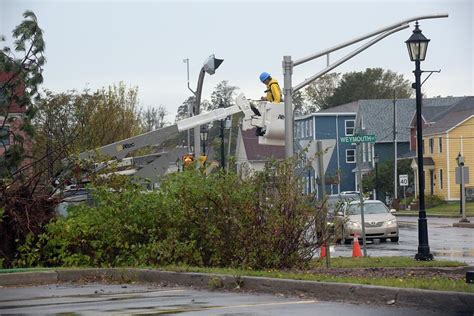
273,88
273,94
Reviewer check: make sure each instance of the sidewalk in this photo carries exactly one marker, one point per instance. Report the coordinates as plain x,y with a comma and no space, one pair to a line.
450,220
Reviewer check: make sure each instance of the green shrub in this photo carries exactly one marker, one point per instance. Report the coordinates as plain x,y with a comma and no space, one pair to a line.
193,219
433,200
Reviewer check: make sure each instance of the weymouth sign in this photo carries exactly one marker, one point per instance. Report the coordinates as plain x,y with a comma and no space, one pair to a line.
357,139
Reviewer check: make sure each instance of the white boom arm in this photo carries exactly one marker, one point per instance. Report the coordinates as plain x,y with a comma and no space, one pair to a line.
271,121
242,105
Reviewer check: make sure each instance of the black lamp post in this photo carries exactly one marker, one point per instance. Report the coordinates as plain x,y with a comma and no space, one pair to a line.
221,105
417,45
376,160
204,133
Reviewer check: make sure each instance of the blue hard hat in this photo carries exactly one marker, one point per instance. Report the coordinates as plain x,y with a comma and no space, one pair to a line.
264,76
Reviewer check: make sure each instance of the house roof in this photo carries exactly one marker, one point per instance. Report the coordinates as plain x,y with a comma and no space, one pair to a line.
427,162
377,115
349,108
435,108
344,108
455,115
255,151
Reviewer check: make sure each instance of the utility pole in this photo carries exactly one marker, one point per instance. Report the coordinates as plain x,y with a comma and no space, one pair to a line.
288,65
395,182
190,106
361,200
322,180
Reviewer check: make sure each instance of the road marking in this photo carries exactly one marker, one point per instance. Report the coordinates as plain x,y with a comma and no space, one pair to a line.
197,309
91,298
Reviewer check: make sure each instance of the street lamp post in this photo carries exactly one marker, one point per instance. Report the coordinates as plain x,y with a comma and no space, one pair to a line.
462,192
376,160
417,45
204,134
210,66
221,105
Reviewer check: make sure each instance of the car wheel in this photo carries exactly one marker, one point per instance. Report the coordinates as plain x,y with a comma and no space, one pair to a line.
383,239
347,241
394,239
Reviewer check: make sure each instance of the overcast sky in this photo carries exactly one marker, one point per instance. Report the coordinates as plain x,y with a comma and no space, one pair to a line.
143,43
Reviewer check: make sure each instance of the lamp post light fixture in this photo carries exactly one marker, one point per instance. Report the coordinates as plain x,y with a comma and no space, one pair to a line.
204,134
417,45
376,161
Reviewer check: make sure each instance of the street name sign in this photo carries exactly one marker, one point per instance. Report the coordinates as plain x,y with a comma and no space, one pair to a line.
403,180
357,139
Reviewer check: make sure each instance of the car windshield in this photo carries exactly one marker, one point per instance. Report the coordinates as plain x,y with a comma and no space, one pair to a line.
369,208
336,202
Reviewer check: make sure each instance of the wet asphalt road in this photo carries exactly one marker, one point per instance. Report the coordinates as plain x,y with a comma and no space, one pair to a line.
100,299
446,242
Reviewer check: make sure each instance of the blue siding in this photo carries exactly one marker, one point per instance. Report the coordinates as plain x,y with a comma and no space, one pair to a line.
326,127
347,176
319,127
385,150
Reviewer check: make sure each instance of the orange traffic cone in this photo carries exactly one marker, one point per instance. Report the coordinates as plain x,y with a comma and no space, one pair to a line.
323,251
356,248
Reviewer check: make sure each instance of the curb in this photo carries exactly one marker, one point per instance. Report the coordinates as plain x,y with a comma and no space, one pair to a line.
463,225
325,291
26,278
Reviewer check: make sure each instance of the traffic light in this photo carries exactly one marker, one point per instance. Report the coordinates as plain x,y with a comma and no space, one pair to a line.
211,64
202,160
188,160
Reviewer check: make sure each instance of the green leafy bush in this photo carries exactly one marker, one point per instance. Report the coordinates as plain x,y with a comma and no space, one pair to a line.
215,220
433,200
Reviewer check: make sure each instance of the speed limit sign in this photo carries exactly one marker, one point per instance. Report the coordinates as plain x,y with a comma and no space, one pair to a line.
403,180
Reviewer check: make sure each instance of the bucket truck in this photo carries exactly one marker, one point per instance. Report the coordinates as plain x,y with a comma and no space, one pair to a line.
266,115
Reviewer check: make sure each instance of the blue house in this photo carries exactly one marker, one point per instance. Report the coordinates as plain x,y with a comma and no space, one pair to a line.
372,117
339,159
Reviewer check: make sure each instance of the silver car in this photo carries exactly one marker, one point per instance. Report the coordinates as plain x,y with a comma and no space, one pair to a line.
379,222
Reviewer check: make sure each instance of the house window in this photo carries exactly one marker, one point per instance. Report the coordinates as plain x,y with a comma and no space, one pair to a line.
440,144
350,156
369,152
350,126
431,144
4,136
440,178
364,152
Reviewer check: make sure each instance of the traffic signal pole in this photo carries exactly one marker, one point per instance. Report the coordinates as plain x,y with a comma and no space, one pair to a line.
289,64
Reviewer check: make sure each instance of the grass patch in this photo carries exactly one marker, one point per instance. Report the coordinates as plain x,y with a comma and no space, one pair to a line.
445,209
434,283
383,262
